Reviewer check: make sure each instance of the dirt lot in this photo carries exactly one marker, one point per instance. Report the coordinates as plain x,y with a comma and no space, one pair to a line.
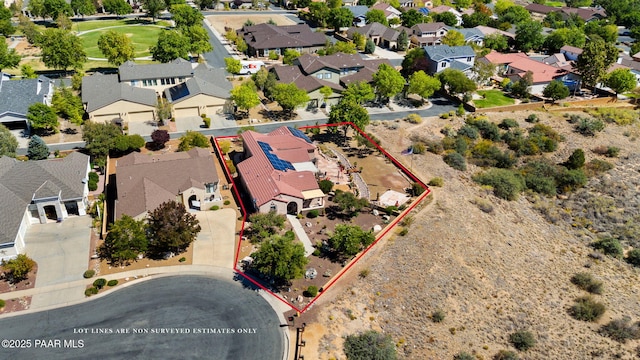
236,21
491,273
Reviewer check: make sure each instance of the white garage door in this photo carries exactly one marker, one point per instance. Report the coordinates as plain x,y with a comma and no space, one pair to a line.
141,116
185,112
108,118
212,110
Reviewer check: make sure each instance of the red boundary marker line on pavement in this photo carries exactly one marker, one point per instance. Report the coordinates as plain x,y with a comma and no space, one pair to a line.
387,229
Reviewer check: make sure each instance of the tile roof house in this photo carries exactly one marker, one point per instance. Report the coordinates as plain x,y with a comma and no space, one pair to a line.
37,191
262,39
131,95
17,95
143,182
515,65
441,57
380,34
278,171
337,71
427,34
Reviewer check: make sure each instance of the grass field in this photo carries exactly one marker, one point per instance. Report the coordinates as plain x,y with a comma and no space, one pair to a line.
98,24
492,98
555,3
142,36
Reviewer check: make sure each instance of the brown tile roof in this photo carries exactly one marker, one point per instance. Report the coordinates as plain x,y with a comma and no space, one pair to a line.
262,180
267,36
541,9
521,63
146,181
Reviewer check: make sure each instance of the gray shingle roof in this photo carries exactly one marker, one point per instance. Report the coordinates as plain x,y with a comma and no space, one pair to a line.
359,10
176,68
443,52
193,87
17,95
267,36
469,33
22,181
100,90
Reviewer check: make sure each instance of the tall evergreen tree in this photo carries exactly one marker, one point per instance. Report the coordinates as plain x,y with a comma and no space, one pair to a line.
38,149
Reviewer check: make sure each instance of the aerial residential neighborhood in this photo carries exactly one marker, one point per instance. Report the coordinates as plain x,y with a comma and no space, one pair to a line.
319,179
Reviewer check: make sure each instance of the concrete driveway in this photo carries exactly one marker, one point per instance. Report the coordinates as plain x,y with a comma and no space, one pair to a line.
216,243
62,253
142,128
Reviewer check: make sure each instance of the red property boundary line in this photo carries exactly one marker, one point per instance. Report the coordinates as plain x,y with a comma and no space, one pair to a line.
381,235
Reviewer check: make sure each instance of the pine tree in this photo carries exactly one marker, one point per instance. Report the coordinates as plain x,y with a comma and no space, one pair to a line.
38,149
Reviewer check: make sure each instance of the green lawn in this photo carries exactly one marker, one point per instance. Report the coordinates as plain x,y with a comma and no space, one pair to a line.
98,24
142,36
555,3
492,98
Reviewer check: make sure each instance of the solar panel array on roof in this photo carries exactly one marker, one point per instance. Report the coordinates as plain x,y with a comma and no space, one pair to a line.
277,163
299,134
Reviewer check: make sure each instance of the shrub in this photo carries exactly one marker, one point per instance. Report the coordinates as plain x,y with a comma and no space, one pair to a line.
417,189
533,118
389,210
506,183
312,291
2,303
597,166
633,257
100,283
438,316
461,145
325,185
488,130
505,355
434,147
273,56
463,356
92,185
436,181
522,340
507,124
460,110
112,282
456,161
407,221
621,330
483,205
589,127
586,282
414,119
88,274
207,122
418,148
469,131
227,202
609,246
618,116
313,214
90,291
587,309
576,160
215,207
182,259
444,116
570,180
192,139
608,151
231,166
403,232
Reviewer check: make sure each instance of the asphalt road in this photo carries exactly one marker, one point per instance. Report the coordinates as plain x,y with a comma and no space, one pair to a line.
440,105
201,317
